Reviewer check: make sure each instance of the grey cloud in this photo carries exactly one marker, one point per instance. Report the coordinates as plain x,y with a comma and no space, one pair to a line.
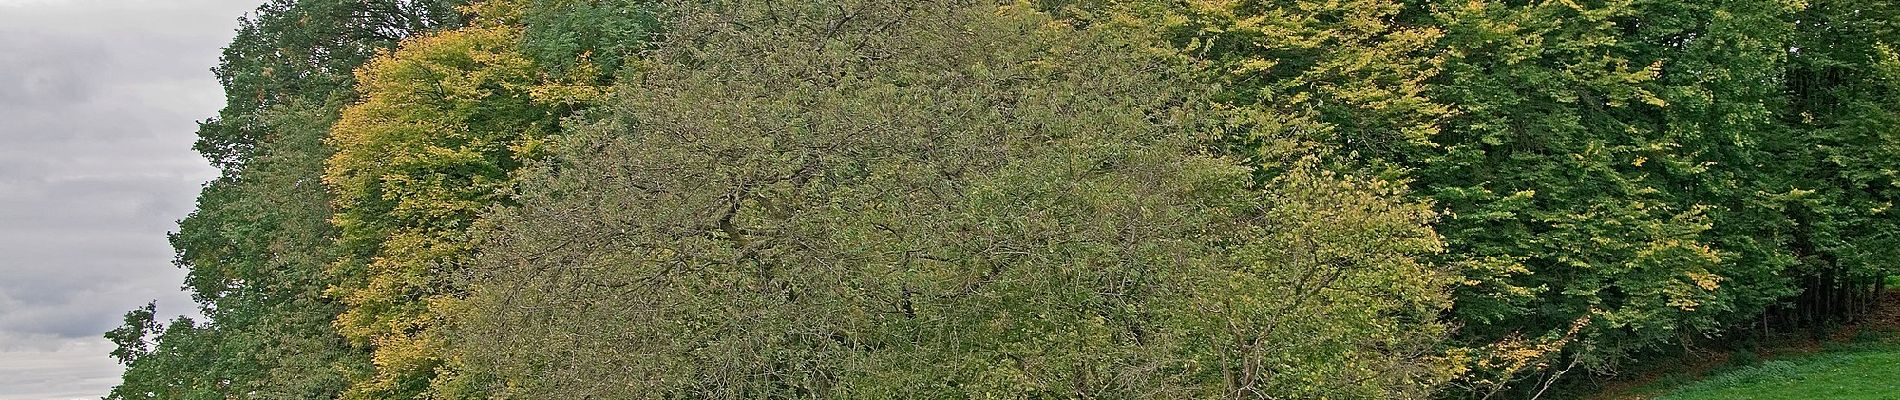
37,367
98,105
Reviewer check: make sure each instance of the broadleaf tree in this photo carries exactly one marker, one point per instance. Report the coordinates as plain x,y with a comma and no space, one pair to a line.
937,199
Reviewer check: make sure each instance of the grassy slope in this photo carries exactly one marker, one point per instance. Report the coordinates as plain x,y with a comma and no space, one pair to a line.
1867,373
1860,362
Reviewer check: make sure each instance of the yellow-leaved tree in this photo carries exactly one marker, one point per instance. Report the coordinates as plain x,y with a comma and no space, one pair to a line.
443,121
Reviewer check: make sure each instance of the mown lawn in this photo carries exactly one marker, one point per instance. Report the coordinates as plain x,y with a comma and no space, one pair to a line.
1866,372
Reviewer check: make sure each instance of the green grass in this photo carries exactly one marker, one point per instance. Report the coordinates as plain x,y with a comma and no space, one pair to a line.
1870,371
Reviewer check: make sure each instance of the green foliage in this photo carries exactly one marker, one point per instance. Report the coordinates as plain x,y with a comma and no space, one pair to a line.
303,51
902,199
1517,118
151,371
1618,174
257,244
131,337
1341,79
564,34
1844,160
256,248
1547,173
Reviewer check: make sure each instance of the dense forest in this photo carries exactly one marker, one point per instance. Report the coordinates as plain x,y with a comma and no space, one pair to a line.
1286,199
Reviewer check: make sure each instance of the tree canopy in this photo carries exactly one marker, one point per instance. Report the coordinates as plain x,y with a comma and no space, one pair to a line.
951,200
1047,199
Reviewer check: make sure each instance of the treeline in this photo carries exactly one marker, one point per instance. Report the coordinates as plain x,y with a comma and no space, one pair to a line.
1051,199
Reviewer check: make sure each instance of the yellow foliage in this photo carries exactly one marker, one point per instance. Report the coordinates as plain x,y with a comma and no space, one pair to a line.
444,120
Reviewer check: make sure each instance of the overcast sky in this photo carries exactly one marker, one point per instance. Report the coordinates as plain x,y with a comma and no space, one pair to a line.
98,103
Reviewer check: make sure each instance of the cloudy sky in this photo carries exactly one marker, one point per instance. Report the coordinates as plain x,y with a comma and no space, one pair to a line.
98,103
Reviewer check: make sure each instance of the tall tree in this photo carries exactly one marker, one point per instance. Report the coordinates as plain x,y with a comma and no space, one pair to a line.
444,120
1546,173
936,199
1608,167
1843,156
257,243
